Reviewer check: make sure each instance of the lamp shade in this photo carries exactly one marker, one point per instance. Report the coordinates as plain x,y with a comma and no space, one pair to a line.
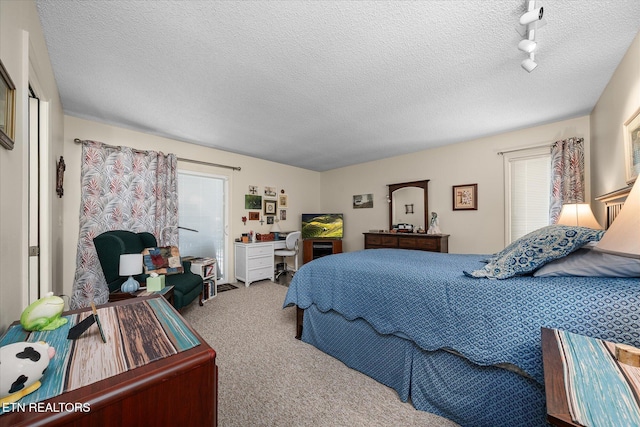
623,236
275,228
130,264
578,214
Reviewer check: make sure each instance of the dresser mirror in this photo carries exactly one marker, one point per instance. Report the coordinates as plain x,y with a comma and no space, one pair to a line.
409,204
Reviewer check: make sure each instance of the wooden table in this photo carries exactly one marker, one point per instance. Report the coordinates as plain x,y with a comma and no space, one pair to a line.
181,389
557,406
167,293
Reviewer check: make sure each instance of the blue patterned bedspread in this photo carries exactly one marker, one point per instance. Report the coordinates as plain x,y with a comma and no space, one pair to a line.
426,297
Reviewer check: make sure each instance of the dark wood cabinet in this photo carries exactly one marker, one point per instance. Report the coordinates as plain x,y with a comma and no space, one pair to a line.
316,248
420,242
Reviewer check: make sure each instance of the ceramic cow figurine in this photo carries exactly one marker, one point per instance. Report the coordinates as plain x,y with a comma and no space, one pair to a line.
22,365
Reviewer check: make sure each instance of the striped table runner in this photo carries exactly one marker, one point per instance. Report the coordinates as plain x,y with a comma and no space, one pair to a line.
137,334
600,391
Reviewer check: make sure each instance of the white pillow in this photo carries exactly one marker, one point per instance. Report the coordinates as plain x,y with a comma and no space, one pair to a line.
591,263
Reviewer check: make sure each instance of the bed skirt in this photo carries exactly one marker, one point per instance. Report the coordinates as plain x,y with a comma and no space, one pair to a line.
438,382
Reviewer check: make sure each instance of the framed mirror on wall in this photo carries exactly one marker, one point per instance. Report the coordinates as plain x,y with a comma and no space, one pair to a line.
7,109
408,204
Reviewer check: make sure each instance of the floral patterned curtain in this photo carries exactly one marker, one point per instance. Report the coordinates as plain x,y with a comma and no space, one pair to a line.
567,175
122,189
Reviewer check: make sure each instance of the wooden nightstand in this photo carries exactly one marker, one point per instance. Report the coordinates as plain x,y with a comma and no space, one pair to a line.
604,382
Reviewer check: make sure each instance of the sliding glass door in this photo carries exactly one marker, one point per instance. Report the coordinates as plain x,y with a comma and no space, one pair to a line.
202,213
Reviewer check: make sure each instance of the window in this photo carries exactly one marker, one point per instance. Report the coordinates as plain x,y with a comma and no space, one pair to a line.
202,205
527,191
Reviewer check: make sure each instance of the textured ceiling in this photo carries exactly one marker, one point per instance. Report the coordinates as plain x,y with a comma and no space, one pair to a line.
326,84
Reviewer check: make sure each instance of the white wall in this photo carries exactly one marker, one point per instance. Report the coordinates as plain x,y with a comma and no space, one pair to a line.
22,46
302,186
470,162
620,99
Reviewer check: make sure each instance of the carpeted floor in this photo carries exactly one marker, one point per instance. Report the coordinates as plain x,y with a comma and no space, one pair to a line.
268,378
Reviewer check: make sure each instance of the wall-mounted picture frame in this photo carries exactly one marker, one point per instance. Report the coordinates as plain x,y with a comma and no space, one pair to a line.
632,146
465,197
270,220
269,207
252,201
283,215
362,201
254,216
282,201
269,191
60,168
7,109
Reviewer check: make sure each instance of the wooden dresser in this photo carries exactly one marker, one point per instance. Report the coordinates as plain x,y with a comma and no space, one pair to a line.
420,242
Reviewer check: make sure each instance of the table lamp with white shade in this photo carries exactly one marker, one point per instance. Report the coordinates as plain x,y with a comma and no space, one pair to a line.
275,229
623,236
578,214
130,265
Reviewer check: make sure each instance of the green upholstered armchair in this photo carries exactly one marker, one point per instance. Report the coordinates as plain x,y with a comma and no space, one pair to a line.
111,244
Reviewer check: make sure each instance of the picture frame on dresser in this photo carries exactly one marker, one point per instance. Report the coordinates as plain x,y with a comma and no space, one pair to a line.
632,146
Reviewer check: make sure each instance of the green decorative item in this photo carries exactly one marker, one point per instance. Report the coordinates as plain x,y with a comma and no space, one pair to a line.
155,283
44,314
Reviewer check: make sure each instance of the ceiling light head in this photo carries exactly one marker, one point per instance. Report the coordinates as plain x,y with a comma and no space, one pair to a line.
529,64
532,16
527,45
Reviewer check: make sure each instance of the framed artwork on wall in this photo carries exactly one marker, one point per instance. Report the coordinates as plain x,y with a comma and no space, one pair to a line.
363,201
632,146
465,197
282,201
7,109
269,207
269,191
254,216
251,201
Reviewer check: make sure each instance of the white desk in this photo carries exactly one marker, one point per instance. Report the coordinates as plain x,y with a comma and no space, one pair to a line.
254,261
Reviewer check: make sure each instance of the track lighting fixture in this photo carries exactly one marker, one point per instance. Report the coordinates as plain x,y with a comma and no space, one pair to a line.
529,64
532,15
529,45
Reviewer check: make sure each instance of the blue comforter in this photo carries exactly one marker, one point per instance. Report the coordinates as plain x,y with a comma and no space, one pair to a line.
426,297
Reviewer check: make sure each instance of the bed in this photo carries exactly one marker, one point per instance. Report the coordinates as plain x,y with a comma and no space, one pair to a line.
463,347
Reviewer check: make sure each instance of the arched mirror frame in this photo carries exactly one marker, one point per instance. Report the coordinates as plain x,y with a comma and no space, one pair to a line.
420,184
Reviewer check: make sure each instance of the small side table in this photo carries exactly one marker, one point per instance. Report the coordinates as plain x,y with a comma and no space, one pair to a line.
167,293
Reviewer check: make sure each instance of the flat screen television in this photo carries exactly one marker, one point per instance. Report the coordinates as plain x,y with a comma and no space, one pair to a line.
322,226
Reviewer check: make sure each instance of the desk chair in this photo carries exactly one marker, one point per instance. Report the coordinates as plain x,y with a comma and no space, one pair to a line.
291,250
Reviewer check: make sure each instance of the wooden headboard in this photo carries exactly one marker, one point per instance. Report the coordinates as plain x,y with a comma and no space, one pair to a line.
613,202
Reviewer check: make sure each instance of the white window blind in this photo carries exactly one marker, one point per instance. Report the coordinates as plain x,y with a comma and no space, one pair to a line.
527,191
202,201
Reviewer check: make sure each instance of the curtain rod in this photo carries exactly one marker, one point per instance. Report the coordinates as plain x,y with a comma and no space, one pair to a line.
181,159
500,153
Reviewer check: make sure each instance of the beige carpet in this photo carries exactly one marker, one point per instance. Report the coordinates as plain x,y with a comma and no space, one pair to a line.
268,378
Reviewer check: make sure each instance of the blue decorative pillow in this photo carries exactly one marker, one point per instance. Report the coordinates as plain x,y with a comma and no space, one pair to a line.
536,249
